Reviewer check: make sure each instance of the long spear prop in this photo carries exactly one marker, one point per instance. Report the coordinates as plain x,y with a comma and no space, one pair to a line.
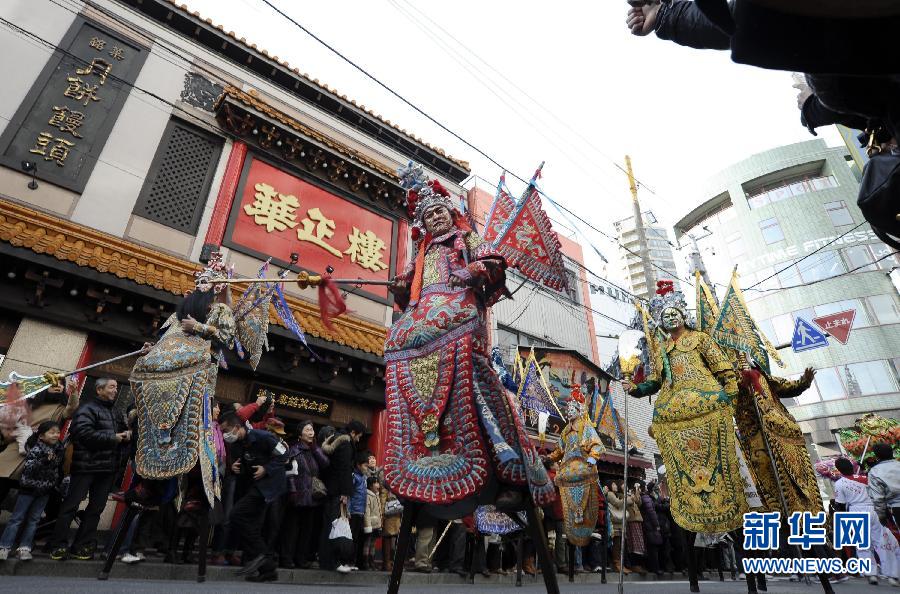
305,280
36,384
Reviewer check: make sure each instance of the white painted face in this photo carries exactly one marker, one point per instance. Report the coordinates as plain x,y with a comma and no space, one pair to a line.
437,219
574,409
672,318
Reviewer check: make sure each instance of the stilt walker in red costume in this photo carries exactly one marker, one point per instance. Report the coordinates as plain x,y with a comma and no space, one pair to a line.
456,440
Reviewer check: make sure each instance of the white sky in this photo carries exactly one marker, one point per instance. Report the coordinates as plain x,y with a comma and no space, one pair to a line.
681,114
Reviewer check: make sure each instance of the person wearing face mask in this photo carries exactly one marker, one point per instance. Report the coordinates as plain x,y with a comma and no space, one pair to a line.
578,452
693,420
260,466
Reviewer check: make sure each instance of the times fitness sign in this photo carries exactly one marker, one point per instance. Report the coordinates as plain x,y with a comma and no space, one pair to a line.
797,250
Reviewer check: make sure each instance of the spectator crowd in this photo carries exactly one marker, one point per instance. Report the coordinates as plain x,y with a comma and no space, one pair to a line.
286,486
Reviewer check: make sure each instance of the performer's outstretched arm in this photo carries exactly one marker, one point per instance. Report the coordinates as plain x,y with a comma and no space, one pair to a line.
785,388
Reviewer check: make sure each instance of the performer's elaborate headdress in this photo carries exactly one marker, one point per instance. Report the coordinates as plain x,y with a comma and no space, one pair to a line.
667,297
422,194
215,270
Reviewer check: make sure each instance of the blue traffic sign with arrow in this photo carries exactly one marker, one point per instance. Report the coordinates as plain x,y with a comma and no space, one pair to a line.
806,336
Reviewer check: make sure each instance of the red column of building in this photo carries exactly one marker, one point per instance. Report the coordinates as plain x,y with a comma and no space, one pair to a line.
84,359
379,435
227,190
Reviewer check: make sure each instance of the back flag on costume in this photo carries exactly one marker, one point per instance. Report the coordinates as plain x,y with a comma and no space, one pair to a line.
525,236
735,329
501,210
707,308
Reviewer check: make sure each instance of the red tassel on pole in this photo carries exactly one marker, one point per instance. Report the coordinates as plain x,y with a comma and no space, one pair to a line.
331,303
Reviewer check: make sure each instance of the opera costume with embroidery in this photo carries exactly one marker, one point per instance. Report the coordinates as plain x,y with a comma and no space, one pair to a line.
761,416
175,382
579,449
453,427
788,447
693,420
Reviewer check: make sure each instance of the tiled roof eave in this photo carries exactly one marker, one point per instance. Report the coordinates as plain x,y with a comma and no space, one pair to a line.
66,241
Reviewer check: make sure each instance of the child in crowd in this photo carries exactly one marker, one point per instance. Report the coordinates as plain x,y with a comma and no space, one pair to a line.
15,419
357,508
40,476
372,526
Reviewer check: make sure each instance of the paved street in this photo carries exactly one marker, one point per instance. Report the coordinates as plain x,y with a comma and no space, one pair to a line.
49,585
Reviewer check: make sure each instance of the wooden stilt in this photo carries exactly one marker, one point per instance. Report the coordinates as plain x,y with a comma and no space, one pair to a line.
571,551
520,556
410,511
124,524
539,538
203,537
693,580
604,553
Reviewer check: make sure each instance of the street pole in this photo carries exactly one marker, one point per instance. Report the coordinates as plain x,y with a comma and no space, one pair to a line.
649,278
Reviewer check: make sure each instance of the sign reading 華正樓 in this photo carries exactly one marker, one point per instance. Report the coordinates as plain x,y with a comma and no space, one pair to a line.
276,214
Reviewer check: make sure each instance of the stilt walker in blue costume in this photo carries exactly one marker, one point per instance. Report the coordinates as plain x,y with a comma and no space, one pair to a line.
174,385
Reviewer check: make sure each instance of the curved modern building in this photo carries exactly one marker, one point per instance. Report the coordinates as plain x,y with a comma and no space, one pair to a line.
788,218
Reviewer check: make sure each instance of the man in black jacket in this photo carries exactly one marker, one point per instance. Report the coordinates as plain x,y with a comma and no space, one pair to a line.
259,464
341,450
98,435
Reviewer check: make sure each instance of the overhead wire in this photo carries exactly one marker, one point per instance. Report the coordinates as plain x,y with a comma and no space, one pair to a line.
174,106
445,128
194,64
193,116
522,91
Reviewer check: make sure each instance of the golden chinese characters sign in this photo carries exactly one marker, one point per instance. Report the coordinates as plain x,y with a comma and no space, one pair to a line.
62,124
278,214
292,401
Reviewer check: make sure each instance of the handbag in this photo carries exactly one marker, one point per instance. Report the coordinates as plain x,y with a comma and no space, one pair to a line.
319,490
393,507
879,193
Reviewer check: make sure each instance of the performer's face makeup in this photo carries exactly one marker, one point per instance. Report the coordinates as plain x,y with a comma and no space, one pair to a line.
672,318
573,409
437,220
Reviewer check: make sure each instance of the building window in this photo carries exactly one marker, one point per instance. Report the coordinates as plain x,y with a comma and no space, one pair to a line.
838,213
867,378
884,308
788,275
771,230
860,320
573,291
783,325
829,384
859,258
788,189
180,176
824,265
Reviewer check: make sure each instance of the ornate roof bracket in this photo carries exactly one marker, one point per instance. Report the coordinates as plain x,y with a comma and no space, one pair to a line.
248,117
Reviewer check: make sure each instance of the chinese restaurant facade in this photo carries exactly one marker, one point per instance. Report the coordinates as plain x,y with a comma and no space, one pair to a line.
150,138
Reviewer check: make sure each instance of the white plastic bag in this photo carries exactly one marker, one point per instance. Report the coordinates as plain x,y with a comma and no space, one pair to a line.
340,528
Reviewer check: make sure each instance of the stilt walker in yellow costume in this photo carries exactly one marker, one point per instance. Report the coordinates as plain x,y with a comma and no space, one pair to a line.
770,437
693,419
578,452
